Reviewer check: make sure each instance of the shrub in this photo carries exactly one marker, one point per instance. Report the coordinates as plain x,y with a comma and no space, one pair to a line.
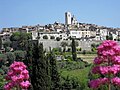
45,37
20,55
2,82
58,38
84,52
69,49
10,57
52,37
3,58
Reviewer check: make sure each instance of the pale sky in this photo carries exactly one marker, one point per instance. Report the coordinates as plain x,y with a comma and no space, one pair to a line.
15,13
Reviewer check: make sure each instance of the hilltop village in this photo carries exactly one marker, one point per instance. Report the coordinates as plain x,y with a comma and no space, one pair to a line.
65,31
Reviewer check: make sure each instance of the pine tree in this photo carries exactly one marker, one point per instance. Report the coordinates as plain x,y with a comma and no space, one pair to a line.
74,55
55,77
39,72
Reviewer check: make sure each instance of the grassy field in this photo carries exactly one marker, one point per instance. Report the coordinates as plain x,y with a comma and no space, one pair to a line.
87,57
81,74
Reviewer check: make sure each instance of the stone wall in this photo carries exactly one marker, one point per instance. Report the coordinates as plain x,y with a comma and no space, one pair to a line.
85,45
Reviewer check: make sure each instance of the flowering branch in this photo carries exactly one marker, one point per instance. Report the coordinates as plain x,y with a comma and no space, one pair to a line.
17,76
107,63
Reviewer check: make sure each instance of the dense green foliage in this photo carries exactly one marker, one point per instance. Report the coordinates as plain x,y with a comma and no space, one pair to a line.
76,79
10,57
39,68
52,37
28,57
46,73
20,55
58,38
19,40
110,37
64,44
2,81
45,37
54,74
0,42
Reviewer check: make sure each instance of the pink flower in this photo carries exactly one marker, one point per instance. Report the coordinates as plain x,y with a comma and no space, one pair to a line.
17,75
7,78
20,78
25,84
96,70
104,80
109,59
26,76
10,73
117,49
7,87
109,43
104,70
24,72
114,69
97,82
14,78
98,60
116,60
94,83
116,81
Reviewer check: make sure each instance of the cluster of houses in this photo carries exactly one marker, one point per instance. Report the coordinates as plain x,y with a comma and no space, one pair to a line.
71,29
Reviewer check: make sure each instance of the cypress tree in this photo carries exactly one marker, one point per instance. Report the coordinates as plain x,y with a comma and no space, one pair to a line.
48,73
34,65
0,42
39,72
74,55
28,58
55,77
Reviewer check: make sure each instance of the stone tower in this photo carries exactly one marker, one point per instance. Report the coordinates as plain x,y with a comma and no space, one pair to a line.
68,18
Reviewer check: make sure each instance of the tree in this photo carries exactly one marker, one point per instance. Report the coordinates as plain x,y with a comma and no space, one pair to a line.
110,37
55,77
52,37
45,37
19,40
74,55
76,43
7,44
58,38
20,55
93,45
64,44
10,57
39,68
0,42
28,58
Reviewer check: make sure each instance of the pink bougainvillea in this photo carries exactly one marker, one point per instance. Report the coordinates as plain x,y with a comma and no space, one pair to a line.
107,64
17,76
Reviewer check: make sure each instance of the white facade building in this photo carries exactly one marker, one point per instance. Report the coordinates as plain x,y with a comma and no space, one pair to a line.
103,34
80,33
36,34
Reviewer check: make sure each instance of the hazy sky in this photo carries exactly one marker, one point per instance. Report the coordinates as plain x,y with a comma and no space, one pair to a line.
14,13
